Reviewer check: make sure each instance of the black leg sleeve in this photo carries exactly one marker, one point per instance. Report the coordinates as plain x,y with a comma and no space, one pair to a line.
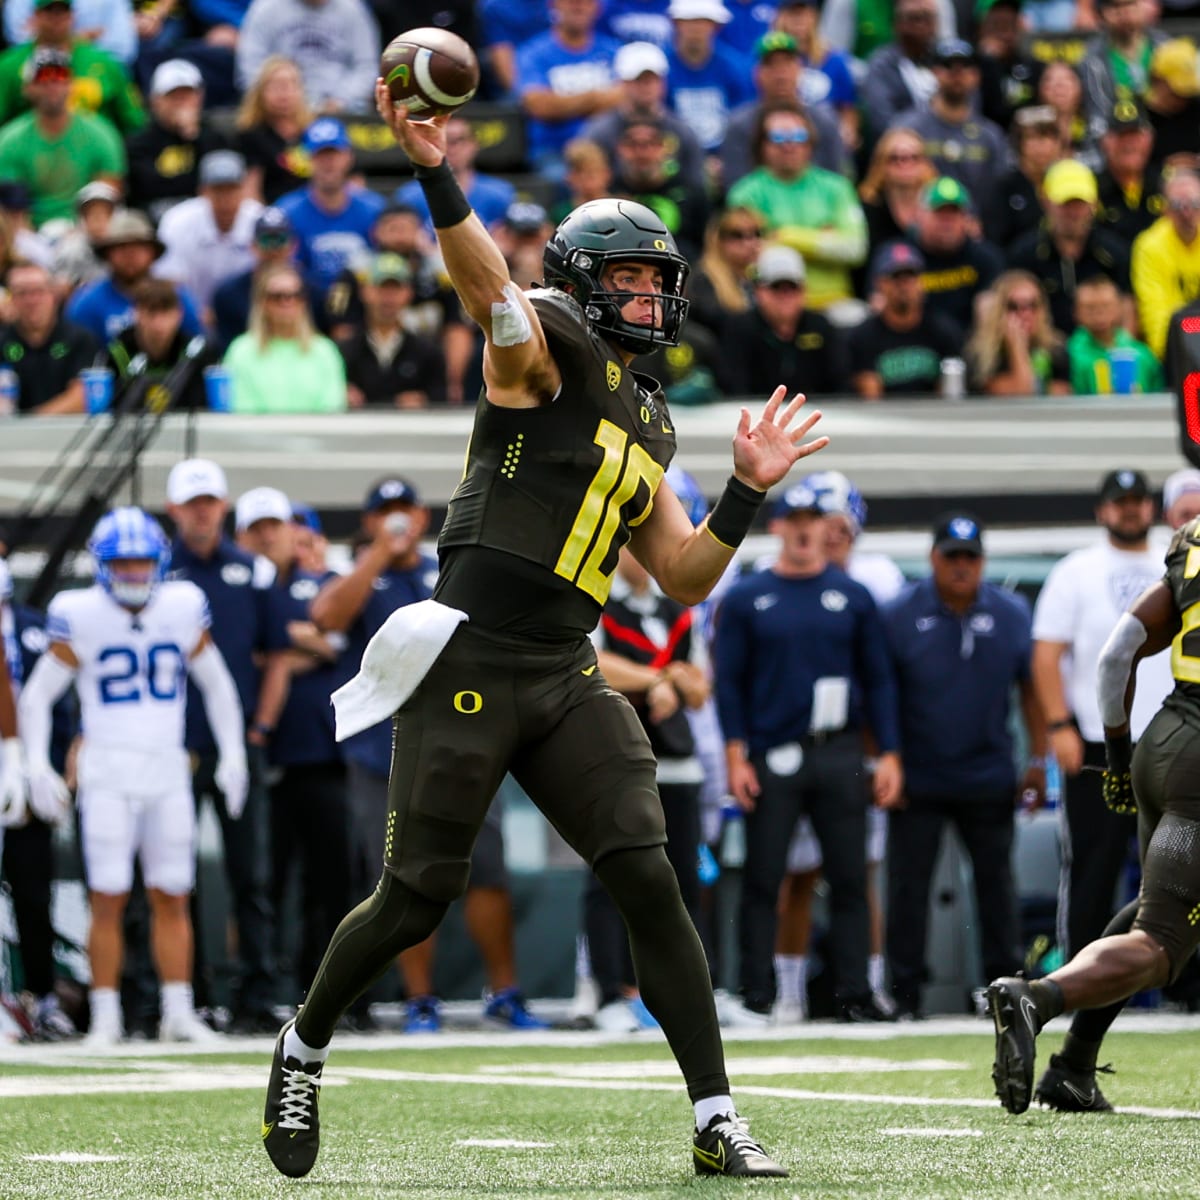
29,872
363,946
671,969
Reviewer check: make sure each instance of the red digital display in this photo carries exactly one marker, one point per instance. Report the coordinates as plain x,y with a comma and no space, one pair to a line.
1191,406
1190,324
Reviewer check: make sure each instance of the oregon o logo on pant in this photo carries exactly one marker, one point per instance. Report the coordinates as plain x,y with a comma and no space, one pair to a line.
468,702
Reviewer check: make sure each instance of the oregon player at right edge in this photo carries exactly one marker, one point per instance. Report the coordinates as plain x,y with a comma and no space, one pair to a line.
565,466
1163,773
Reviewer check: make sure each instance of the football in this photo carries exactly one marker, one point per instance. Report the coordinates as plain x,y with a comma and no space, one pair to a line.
429,71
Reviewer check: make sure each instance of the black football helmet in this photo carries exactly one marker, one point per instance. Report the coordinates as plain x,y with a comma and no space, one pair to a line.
605,231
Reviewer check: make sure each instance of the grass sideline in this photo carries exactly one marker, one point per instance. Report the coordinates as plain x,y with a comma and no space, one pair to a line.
879,1113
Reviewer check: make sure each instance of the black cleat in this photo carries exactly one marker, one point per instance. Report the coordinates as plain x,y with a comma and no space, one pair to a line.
1011,1004
725,1147
1068,1089
291,1129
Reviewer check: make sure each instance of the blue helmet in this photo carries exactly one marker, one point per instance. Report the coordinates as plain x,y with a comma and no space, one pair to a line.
836,494
694,502
129,533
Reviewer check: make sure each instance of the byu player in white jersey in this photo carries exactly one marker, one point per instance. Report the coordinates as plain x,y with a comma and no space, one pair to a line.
126,644
845,515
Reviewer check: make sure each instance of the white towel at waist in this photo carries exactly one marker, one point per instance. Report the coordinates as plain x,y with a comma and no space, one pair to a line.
395,661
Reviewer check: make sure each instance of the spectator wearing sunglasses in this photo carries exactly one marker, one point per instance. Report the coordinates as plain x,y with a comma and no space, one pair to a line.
274,242
55,151
1166,259
804,206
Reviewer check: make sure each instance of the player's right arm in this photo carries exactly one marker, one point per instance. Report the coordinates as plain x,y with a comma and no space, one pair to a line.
49,796
517,366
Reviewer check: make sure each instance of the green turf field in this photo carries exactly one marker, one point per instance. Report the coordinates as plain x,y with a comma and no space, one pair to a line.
869,1113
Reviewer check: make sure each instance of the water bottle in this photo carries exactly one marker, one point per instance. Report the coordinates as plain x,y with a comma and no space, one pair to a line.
733,836
10,391
1053,782
954,379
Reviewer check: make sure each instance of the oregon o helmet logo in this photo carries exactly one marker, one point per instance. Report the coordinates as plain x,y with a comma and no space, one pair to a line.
659,244
468,702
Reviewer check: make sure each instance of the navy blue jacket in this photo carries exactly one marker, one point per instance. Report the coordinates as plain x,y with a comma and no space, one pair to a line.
777,636
236,601
956,677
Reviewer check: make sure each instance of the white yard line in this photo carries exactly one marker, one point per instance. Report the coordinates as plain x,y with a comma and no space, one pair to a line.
932,1133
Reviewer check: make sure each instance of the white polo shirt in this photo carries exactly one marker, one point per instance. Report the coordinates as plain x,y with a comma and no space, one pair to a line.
1080,604
199,255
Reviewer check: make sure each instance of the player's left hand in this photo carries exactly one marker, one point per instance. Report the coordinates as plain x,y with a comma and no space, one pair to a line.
49,796
1117,789
423,141
13,785
233,780
764,452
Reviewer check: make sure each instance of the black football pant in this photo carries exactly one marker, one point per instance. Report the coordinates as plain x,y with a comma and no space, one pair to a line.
830,787
1095,848
608,940
985,825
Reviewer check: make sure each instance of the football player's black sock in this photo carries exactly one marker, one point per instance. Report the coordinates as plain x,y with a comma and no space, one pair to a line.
363,946
1048,997
1089,1025
672,972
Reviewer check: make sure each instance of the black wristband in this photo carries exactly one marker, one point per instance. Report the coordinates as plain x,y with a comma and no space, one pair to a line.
1055,726
734,513
447,204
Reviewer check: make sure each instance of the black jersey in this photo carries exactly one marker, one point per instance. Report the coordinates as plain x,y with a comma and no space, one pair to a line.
557,487
1183,578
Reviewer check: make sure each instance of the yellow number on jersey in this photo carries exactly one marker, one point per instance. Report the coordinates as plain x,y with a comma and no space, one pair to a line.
616,481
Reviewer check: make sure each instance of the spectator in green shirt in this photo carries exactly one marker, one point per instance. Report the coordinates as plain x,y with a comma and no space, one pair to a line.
52,150
281,364
99,83
1097,334
814,211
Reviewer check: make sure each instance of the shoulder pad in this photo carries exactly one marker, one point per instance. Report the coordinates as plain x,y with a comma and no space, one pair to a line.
1185,535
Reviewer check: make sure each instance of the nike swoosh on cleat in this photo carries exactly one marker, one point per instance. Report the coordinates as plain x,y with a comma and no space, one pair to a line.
266,1129
717,1161
1029,1012
1087,1099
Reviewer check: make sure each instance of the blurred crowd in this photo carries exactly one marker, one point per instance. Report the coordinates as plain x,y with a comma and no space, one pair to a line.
930,196
817,725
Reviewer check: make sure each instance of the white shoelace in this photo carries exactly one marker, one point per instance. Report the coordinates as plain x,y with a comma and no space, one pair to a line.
737,1130
295,1109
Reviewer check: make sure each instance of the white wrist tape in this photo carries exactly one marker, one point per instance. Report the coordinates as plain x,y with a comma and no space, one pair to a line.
1116,662
510,322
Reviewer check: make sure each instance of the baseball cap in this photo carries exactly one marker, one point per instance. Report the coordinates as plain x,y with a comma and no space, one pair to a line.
261,504
326,134
1177,64
1126,116
779,264
699,10
196,477
523,216
946,193
1124,481
1180,483
1069,179
894,258
1036,116
46,58
634,59
956,532
799,498
40,4
14,196
392,490
272,225
775,42
173,74
390,268
222,168
97,190
306,515
951,49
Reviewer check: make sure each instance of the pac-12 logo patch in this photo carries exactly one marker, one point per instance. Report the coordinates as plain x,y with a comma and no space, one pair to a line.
613,374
